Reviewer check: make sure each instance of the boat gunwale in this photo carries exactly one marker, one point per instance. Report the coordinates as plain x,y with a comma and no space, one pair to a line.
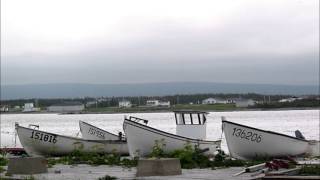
170,135
190,112
265,131
74,138
97,128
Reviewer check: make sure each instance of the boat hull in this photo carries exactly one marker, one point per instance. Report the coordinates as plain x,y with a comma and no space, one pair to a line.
40,143
246,142
91,132
141,140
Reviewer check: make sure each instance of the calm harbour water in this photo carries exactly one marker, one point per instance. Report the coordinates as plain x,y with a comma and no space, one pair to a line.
286,122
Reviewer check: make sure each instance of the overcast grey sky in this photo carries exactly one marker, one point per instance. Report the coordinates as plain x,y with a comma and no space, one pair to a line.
90,41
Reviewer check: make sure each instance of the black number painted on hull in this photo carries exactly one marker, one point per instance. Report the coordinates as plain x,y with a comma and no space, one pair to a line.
96,132
44,137
248,135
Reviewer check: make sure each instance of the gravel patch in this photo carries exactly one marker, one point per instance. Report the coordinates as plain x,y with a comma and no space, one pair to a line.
88,172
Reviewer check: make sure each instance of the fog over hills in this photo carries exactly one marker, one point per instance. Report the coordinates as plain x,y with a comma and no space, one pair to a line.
270,47
146,89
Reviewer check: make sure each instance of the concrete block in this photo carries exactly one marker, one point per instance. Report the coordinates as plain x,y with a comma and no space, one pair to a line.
158,167
27,165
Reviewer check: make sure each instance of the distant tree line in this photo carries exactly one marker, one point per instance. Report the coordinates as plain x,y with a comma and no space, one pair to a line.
297,103
141,100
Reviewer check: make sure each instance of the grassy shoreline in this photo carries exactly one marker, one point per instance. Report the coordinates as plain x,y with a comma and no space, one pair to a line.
121,111
110,111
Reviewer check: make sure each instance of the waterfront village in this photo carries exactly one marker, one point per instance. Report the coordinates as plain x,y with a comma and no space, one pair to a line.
144,152
207,102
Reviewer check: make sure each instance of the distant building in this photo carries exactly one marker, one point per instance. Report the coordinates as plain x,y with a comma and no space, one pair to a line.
103,99
231,101
155,103
4,108
29,107
91,103
291,99
125,104
209,101
214,101
244,102
66,107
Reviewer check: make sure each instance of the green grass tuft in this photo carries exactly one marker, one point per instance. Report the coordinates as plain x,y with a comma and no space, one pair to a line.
310,170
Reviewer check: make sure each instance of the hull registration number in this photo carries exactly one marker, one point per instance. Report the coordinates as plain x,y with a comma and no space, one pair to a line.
43,137
247,135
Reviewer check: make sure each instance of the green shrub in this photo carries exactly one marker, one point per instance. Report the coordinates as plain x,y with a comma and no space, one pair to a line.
129,163
3,161
29,178
2,170
192,157
310,170
157,149
107,177
77,157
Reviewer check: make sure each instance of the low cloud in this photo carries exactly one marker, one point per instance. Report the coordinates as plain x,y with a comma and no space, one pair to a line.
249,42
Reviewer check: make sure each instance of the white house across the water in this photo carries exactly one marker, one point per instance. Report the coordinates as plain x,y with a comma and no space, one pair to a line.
125,104
291,99
214,101
4,108
155,103
29,107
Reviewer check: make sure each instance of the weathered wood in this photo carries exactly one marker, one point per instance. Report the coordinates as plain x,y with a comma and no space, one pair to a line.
255,167
251,169
291,172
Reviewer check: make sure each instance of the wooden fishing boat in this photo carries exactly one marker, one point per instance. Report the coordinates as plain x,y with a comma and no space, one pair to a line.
246,142
91,132
142,138
41,143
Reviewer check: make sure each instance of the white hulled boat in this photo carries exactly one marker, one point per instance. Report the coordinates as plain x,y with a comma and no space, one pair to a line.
91,132
191,127
41,143
246,142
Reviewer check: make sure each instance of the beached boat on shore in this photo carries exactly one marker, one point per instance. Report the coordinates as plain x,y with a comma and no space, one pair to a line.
142,138
41,143
91,132
246,142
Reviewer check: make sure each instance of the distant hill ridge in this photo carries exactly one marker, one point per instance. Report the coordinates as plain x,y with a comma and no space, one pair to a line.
145,89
